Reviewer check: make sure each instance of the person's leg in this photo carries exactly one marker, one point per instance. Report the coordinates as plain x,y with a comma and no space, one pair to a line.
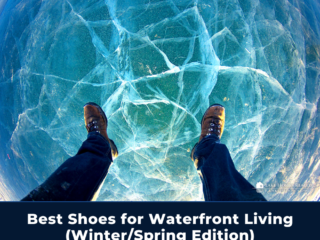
220,179
80,177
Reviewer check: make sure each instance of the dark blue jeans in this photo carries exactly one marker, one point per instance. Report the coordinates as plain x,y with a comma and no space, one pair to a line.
79,178
220,179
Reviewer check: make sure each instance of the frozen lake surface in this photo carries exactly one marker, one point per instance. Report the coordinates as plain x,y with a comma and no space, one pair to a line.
155,66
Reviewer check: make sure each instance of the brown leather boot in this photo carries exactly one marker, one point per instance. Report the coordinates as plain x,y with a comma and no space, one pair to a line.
213,121
96,121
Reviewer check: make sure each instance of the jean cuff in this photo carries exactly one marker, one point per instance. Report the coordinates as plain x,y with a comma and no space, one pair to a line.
207,140
210,138
97,134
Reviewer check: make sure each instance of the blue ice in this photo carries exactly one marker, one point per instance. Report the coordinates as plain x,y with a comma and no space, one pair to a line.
155,66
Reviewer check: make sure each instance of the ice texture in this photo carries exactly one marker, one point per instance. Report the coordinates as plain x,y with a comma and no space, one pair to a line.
155,66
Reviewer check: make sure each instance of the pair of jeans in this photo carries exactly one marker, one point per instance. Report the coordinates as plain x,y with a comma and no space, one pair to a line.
80,178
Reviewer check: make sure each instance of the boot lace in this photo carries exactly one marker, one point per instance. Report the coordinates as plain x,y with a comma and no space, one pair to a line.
93,126
214,127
